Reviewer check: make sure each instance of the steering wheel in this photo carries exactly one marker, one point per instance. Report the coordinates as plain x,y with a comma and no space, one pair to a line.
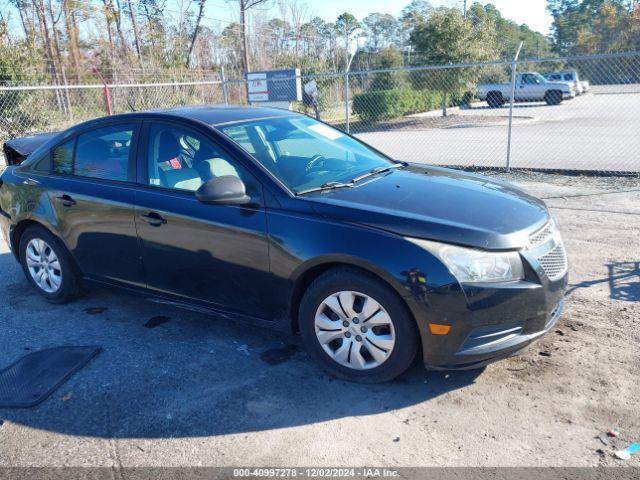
313,163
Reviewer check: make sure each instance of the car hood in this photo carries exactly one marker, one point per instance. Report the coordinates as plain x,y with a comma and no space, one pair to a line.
438,204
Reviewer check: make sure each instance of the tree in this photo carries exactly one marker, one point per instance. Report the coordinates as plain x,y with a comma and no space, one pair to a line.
196,30
414,14
381,30
508,33
346,24
388,58
590,26
449,38
298,12
136,32
113,15
70,10
244,6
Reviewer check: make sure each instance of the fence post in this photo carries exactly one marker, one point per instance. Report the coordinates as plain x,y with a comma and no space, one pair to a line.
346,100
514,69
225,94
105,91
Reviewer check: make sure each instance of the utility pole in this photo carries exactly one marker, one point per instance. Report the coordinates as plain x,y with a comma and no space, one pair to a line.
464,9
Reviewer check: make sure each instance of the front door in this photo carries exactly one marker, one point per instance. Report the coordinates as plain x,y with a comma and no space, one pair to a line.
213,254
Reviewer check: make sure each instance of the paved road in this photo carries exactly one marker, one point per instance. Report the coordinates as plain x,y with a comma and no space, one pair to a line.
597,131
198,390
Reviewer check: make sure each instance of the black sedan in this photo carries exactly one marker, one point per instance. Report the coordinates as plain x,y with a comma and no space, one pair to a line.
283,221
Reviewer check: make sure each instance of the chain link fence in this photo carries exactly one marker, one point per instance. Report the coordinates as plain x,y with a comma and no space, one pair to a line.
567,114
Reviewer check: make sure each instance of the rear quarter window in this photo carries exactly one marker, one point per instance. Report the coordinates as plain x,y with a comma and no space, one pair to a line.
62,158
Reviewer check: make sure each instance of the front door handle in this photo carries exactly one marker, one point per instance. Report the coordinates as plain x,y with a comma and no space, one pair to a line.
154,219
66,200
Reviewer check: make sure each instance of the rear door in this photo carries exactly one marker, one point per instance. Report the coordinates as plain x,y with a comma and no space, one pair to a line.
216,255
91,188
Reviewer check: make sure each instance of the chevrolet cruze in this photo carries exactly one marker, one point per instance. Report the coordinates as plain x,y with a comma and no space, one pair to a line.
283,221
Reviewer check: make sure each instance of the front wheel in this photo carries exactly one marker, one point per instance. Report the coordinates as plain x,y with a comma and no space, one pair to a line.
356,327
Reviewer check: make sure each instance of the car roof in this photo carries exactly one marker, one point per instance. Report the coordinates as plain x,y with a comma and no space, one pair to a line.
210,114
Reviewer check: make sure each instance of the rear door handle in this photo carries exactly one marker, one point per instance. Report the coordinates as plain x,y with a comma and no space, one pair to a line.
66,200
154,219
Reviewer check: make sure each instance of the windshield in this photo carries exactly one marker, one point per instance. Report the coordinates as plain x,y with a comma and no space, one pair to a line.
303,153
540,78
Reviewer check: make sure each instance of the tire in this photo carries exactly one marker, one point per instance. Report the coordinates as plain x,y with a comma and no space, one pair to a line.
65,288
553,97
495,99
394,345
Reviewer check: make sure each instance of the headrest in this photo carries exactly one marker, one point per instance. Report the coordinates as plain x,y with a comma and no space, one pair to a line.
168,147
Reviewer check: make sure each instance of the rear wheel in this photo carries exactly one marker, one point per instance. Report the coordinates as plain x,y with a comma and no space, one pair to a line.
356,327
495,99
47,265
553,97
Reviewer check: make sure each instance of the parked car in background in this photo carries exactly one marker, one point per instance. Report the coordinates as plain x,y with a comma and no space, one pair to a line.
277,219
530,87
570,76
560,77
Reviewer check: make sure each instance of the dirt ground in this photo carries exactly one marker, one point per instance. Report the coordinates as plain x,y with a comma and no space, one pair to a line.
195,390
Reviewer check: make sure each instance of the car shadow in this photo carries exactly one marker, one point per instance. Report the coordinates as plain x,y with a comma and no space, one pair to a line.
623,279
165,372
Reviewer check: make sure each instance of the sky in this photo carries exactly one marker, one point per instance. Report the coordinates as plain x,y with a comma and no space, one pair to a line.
531,12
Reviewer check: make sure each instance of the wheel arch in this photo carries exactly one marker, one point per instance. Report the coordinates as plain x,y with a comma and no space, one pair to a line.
18,230
309,271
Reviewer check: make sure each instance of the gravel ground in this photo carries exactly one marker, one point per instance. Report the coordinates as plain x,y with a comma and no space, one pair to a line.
188,389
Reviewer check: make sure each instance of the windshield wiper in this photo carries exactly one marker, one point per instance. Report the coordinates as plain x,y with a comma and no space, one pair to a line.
378,170
324,187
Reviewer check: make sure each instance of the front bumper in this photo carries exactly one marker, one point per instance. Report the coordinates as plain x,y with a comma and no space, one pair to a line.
486,345
488,322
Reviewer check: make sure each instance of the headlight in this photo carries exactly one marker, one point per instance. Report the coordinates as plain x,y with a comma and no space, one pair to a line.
469,265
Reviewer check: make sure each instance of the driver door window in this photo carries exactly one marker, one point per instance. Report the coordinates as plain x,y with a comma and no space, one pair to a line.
182,159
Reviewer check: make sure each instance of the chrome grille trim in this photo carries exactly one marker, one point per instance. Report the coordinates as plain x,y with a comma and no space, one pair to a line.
554,262
546,245
542,235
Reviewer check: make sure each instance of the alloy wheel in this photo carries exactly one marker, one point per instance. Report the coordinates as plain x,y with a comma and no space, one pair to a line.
43,265
355,330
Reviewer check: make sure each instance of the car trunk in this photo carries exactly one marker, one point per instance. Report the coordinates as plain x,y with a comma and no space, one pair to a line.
18,149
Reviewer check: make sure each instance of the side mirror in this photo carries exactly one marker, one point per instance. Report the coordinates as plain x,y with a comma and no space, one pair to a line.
225,190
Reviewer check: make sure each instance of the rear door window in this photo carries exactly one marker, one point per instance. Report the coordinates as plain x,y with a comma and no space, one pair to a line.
101,153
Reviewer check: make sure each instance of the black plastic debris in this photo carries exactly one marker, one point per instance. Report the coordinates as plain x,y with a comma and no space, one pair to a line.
95,310
276,356
156,321
34,377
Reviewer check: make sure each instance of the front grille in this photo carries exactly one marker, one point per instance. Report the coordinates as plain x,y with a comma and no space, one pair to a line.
554,262
541,235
